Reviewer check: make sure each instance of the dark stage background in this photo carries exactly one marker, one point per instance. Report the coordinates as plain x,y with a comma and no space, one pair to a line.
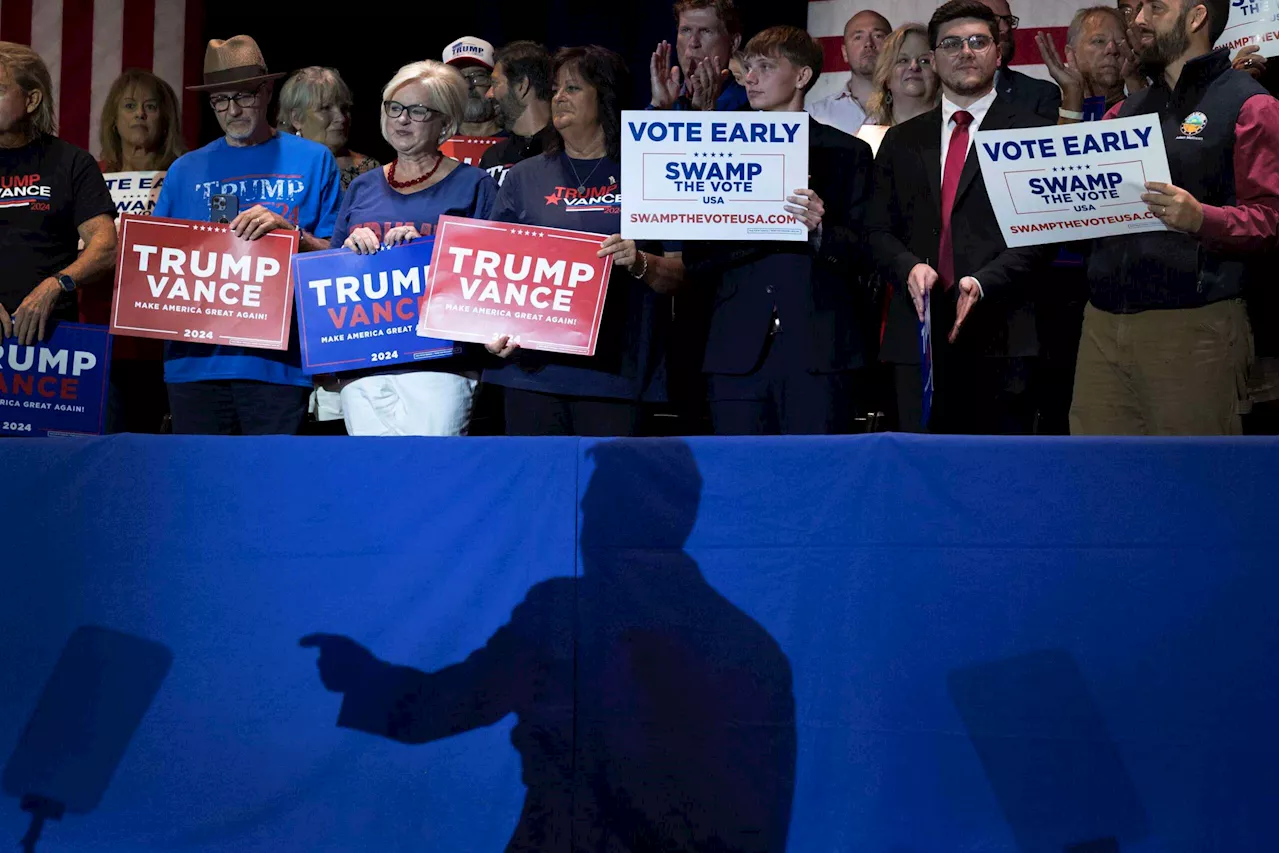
368,44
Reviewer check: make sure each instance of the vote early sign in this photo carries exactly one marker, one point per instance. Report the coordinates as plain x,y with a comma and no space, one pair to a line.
196,281
712,176
57,387
357,311
1253,22
543,286
134,192
1073,182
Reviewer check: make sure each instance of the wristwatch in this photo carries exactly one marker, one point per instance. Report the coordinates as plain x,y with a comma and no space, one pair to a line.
67,283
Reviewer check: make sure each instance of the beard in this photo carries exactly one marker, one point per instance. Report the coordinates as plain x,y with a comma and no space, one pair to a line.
1006,51
1165,47
478,109
507,111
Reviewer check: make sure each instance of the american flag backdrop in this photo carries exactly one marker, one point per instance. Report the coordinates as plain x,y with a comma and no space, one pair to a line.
827,19
87,43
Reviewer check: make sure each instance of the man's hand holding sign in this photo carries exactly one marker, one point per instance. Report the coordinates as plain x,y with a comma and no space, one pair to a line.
180,280
257,222
1082,181
1174,206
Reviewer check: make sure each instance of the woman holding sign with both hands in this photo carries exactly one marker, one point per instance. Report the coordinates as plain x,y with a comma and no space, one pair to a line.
421,107
575,185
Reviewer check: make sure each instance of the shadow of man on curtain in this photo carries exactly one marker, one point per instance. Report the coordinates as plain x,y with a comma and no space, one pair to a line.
653,714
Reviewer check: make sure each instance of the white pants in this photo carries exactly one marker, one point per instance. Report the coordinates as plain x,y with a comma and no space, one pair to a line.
325,405
417,403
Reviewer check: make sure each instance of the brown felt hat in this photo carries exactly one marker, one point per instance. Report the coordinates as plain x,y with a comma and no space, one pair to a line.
233,63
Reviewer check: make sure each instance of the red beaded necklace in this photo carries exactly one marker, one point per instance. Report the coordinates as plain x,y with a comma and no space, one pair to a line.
404,185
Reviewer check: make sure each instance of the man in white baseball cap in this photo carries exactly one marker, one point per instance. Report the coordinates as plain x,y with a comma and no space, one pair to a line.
473,57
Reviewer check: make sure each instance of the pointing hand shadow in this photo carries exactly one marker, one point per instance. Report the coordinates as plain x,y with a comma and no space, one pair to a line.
344,664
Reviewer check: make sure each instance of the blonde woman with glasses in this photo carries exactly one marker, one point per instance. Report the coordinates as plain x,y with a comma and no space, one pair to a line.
422,106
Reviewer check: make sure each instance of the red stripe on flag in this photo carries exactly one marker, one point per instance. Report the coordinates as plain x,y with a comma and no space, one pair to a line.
832,59
15,21
193,103
139,37
77,71
1025,50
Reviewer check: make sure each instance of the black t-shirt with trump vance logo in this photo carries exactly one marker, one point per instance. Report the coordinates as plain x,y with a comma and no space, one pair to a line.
48,188
499,159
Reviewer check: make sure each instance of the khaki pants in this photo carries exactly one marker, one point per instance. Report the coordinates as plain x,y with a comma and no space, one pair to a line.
1176,372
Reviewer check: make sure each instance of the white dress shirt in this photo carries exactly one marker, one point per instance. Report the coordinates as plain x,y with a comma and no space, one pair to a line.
839,110
978,109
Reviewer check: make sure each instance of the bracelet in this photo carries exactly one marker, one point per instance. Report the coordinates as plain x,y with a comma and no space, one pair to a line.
644,268
1074,115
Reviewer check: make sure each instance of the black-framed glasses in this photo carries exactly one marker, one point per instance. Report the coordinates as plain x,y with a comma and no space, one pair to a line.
977,43
244,100
1011,20
417,112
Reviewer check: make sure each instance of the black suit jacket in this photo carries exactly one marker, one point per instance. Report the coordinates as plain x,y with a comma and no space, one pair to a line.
904,223
1031,93
814,287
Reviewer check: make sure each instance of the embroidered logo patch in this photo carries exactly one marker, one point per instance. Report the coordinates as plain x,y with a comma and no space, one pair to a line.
1193,124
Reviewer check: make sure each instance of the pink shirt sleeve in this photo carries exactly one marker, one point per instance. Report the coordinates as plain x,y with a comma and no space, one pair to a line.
1250,224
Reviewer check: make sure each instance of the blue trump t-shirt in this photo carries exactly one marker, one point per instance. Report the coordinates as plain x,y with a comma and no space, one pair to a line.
371,203
294,177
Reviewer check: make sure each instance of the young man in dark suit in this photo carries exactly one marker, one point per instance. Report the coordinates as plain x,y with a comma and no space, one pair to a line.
935,237
784,340
1039,96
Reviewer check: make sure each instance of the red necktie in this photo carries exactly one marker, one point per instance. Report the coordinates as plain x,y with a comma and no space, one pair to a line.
957,151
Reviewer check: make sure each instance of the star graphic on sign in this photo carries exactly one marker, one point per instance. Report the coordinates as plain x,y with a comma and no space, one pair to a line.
552,199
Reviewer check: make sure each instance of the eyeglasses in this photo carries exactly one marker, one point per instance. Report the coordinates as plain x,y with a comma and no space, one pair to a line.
977,43
417,112
244,100
1011,20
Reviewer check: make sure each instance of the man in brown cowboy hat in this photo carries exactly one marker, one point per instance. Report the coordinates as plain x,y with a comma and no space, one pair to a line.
273,181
